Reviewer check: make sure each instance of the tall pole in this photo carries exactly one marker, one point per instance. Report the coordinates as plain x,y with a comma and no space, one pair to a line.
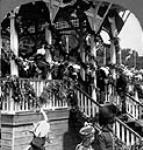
48,39
120,56
113,48
0,50
14,47
0,67
114,34
104,57
93,53
13,44
82,54
135,59
67,43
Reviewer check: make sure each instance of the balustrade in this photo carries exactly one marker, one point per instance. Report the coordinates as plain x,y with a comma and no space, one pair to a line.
126,134
8,104
86,104
90,107
134,107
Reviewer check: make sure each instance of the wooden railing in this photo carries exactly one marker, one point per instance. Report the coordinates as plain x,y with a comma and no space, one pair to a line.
10,106
87,104
90,107
133,107
125,134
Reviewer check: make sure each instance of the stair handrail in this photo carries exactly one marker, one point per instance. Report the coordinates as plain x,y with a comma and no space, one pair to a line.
138,108
133,99
131,130
88,95
120,128
133,107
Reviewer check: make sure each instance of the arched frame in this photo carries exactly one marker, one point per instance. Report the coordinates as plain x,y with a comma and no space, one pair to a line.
135,6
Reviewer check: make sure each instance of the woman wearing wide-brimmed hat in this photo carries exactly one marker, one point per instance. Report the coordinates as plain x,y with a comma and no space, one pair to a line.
88,137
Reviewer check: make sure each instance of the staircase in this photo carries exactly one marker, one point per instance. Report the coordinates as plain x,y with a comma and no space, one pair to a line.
17,118
122,131
134,110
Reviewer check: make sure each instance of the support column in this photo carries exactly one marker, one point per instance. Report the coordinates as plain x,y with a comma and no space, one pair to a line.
13,66
135,59
114,33
67,44
13,44
48,35
120,56
104,57
112,48
0,50
48,38
93,53
82,50
0,70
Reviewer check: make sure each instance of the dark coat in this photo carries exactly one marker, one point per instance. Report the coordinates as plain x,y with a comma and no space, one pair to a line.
104,141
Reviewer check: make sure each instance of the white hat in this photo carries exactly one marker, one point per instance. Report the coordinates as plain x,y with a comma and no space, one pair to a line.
42,129
41,51
106,70
75,66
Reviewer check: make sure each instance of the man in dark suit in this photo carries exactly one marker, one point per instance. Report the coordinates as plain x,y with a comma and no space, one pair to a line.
105,138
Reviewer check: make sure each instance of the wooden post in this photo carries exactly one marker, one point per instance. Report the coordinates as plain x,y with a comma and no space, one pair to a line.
0,69
135,59
14,47
82,51
13,44
48,38
120,56
112,48
67,43
0,50
104,57
48,35
114,34
93,53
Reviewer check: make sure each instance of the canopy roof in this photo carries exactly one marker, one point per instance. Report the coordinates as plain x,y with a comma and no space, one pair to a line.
135,6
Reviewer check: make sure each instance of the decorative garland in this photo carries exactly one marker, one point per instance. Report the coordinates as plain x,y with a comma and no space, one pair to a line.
19,94
24,64
60,88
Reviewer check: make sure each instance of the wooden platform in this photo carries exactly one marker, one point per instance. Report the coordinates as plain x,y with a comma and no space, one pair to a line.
16,137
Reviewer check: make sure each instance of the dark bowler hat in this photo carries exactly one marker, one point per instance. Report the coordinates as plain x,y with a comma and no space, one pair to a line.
107,113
